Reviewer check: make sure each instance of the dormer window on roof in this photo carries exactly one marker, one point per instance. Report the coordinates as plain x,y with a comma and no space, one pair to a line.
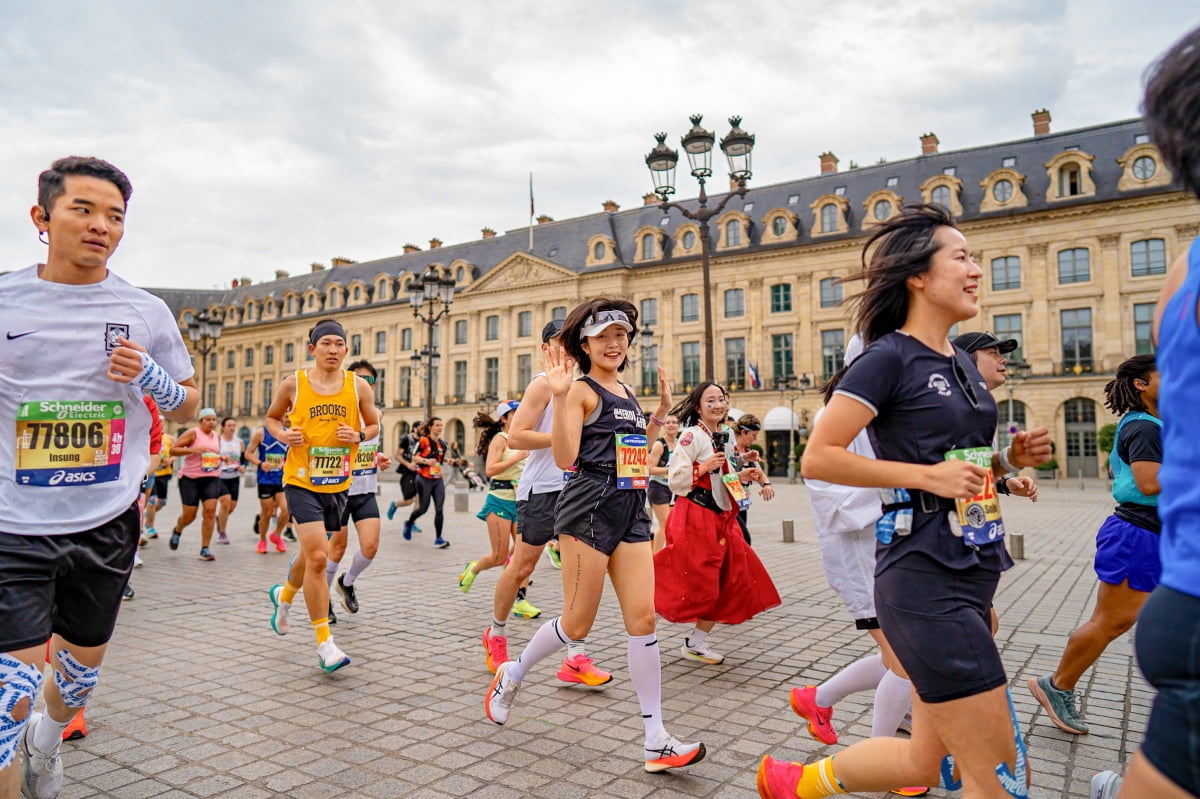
839,191
1144,167
793,199
666,220
950,170
748,206
1141,138
893,182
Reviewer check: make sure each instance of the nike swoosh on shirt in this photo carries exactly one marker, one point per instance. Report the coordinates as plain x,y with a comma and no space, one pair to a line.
11,337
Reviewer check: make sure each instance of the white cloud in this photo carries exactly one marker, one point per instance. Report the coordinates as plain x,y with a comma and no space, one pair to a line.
265,136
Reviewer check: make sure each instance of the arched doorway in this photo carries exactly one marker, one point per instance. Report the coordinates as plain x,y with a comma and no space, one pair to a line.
1079,415
780,438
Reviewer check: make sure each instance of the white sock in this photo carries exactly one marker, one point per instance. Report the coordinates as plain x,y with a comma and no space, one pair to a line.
576,648
861,675
548,639
331,567
357,566
497,627
645,671
696,638
47,735
893,698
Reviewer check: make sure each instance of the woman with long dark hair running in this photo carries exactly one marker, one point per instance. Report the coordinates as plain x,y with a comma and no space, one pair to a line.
600,430
939,560
1127,561
707,572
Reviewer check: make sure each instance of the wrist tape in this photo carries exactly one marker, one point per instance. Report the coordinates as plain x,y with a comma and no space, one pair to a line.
159,385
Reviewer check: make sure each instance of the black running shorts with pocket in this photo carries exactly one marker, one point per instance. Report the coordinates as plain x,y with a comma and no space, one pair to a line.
307,507
591,508
535,518
65,584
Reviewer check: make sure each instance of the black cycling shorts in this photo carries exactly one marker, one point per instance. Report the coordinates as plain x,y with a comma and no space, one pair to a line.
67,584
307,507
268,491
231,487
359,507
194,490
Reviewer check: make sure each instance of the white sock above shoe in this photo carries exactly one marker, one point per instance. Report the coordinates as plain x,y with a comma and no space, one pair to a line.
47,735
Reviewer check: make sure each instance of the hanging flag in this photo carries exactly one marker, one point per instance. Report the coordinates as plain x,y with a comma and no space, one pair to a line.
754,381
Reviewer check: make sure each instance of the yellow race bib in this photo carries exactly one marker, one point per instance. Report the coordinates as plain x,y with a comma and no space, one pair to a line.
364,462
631,461
69,442
328,465
978,518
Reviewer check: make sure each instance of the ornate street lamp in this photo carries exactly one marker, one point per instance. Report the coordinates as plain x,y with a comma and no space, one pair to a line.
698,145
203,331
430,297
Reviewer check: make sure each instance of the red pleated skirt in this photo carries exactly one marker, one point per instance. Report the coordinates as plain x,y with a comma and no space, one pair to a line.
707,571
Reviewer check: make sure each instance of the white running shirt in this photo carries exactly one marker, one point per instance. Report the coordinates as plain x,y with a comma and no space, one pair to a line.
85,439
541,475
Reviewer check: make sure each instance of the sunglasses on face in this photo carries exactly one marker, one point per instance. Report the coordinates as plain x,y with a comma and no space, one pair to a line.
369,378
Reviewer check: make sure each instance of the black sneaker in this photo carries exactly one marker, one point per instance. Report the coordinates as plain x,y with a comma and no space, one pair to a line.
332,615
289,534
349,598
257,518
128,593
174,542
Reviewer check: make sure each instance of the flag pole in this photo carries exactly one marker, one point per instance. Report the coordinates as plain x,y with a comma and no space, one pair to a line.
531,212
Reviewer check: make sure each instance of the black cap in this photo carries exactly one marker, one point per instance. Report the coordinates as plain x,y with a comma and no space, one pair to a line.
970,342
552,329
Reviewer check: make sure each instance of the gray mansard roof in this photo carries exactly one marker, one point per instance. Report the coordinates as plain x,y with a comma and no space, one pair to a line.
565,242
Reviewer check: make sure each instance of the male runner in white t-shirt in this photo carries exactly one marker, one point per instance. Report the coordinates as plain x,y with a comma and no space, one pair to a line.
74,445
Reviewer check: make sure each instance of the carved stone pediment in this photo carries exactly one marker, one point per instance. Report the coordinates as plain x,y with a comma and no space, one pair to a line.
520,269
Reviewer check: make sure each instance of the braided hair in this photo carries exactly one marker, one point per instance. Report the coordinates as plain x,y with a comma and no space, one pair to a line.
1120,395
489,427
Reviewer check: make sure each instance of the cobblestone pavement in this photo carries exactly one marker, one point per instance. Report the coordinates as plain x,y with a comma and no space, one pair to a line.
200,698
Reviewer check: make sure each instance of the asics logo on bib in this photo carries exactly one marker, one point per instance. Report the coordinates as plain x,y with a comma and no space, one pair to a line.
327,410
72,477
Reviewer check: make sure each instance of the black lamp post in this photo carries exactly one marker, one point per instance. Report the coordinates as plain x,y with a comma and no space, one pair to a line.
792,388
698,144
430,292
203,331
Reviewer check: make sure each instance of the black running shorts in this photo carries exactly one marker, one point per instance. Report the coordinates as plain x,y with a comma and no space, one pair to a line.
161,483
267,491
659,494
194,490
535,518
408,483
307,507
592,509
66,584
359,507
231,487
1168,653
938,621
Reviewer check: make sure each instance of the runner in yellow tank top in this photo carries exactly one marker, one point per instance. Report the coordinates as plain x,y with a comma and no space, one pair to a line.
330,412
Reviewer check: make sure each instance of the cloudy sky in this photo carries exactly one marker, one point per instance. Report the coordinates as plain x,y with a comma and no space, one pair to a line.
267,135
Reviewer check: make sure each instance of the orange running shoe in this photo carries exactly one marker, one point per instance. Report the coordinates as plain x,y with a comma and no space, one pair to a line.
914,791
582,669
76,728
778,779
496,647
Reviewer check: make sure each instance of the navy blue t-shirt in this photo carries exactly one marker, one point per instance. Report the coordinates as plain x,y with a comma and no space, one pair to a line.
1140,440
923,406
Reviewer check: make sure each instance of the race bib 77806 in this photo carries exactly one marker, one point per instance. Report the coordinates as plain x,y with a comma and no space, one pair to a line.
69,442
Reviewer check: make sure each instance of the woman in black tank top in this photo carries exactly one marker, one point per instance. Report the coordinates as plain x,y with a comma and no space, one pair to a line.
601,433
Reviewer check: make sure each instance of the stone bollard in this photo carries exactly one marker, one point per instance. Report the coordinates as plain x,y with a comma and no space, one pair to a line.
1016,546
789,531
460,498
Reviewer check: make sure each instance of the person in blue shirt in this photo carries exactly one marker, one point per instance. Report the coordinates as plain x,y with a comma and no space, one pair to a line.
1127,561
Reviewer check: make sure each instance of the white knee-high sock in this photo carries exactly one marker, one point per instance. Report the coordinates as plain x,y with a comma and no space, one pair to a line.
893,698
331,567
861,675
645,671
548,639
357,566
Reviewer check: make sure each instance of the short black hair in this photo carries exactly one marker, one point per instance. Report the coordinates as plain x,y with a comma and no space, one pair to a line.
362,364
53,182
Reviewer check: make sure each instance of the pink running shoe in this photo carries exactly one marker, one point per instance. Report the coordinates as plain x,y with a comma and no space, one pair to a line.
496,647
581,669
778,779
262,547
820,719
277,540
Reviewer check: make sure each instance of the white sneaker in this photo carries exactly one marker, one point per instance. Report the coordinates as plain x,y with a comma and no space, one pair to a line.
701,653
501,695
1105,785
280,622
330,657
669,752
41,775
137,560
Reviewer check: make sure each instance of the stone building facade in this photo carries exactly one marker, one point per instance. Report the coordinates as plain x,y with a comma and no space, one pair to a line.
1074,231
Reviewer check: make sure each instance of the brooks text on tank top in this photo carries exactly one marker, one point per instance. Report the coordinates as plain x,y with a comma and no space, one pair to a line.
323,464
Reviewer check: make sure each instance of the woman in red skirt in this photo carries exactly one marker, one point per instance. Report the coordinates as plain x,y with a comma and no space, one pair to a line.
707,573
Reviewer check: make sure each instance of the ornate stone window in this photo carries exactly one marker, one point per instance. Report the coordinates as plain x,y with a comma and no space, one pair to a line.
600,250
312,300
1070,174
462,271
944,190
687,239
829,215
382,284
1142,167
251,312
648,244
880,206
360,292
780,225
334,294
1003,189
733,230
